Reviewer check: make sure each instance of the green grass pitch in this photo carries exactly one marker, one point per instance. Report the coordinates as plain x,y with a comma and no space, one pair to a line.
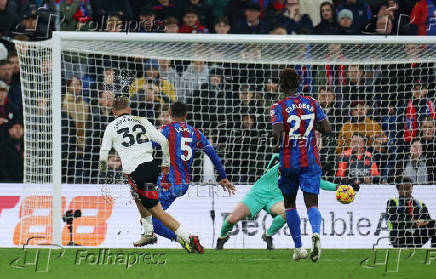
82,263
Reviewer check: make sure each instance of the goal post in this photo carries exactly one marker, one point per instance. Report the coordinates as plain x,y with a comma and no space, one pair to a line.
229,83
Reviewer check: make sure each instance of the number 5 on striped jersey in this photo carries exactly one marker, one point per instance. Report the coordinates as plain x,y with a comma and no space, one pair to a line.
184,146
297,123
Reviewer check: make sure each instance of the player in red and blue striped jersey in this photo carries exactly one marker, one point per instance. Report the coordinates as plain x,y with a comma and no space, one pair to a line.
183,141
294,119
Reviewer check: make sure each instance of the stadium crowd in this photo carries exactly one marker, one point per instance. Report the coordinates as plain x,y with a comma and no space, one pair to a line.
383,116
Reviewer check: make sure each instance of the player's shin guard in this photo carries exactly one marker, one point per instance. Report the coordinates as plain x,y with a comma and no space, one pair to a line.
226,228
277,223
294,221
314,219
161,230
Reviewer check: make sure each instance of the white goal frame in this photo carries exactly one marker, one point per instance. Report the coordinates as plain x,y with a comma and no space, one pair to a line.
59,37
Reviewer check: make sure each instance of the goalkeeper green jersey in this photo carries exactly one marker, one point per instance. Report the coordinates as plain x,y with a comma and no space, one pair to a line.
267,183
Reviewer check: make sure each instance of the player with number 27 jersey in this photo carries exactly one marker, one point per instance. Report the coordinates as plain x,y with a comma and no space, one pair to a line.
298,115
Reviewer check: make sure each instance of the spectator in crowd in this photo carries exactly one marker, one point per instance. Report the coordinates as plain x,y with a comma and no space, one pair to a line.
167,92
293,20
101,115
356,164
235,10
379,151
417,108
327,154
191,24
75,121
15,66
148,22
388,21
311,8
243,145
165,9
270,92
3,51
328,24
146,101
428,141
416,164
359,123
361,13
211,103
193,77
279,30
114,24
12,155
204,11
249,72
164,117
422,16
74,12
9,15
345,21
409,223
15,87
251,23
222,25
6,72
247,98
167,72
327,100
332,74
172,25
403,76
356,87
9,112
104,8
109,77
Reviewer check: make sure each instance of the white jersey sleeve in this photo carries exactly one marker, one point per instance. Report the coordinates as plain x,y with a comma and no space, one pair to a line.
106,145
156,136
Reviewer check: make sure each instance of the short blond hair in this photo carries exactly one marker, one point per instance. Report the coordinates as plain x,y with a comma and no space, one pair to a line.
121,103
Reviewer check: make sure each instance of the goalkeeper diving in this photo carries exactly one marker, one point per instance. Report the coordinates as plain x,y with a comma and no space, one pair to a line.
264,194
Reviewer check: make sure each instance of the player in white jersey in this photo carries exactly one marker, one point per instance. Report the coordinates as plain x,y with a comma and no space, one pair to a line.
131,137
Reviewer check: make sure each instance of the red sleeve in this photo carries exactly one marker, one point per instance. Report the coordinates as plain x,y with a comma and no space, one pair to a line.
418,16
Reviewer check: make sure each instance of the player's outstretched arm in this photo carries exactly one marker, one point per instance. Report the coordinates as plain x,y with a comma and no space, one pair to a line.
207,148
328,186
228,186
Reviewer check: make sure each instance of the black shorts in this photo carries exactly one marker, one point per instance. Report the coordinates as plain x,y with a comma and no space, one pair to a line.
143,182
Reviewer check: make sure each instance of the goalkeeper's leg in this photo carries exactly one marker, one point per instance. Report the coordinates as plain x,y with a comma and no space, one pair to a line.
277,210
240,212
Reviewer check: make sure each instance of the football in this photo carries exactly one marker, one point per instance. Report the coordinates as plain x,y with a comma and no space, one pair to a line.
345,194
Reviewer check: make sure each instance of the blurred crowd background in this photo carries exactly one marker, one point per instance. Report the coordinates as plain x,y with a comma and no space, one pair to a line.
383,116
